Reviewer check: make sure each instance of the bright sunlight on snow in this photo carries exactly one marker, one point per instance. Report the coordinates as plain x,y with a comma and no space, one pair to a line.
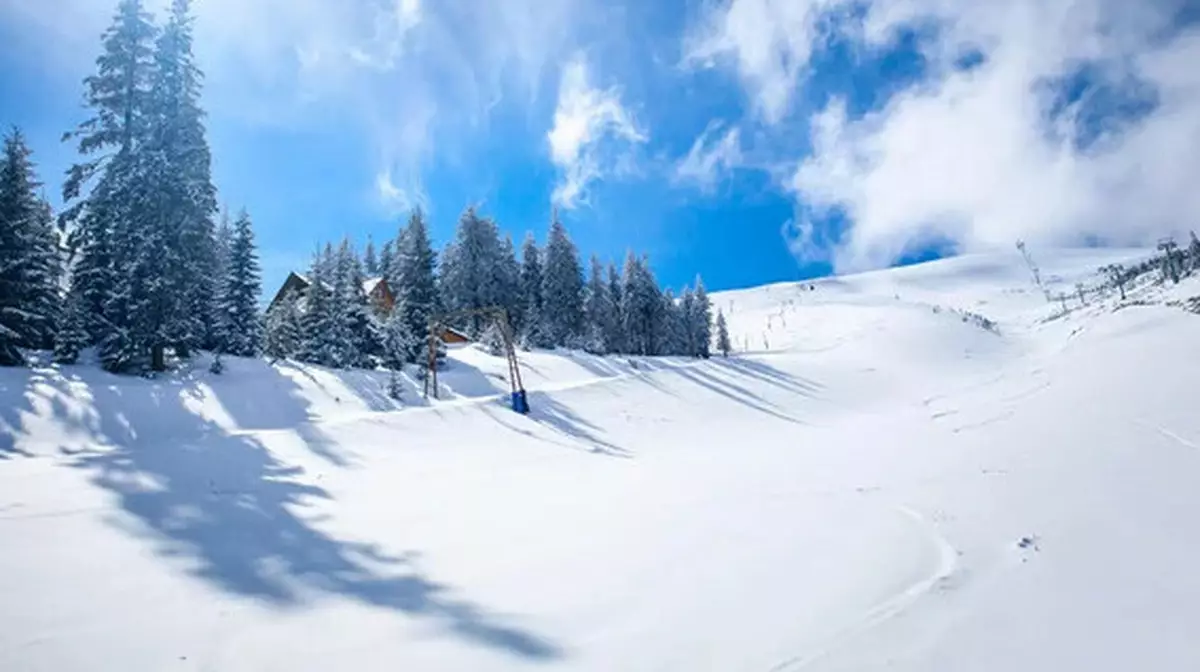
927,468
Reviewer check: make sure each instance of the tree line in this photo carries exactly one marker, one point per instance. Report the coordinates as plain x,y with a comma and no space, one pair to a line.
545,296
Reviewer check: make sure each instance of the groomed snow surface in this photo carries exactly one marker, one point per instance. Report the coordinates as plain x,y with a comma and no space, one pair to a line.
874,481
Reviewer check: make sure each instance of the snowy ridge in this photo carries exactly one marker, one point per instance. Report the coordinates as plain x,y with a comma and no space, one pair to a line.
874,480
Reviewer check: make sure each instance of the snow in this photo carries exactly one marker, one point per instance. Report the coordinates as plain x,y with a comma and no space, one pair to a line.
850,493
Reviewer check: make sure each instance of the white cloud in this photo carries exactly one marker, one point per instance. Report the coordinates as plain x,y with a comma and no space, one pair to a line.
972,155
413,76
590,125
712,155
771,42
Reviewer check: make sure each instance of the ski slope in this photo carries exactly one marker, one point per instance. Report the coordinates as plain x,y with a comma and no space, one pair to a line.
871,482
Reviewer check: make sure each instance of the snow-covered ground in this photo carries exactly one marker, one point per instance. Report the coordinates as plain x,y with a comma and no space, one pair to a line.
875,480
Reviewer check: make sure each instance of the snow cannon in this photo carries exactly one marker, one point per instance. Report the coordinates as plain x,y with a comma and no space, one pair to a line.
520,402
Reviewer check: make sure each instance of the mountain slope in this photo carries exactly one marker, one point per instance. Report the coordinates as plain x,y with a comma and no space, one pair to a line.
877,479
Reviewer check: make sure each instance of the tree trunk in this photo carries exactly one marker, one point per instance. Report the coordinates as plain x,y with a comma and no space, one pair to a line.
158,358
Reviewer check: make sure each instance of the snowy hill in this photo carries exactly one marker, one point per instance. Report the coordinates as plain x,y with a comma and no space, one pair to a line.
928,468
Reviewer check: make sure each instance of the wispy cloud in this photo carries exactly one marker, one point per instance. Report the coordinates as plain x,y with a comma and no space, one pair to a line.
713,155
1069,121
416,77
591,126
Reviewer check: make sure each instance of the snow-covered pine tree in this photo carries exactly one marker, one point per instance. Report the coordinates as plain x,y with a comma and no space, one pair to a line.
71,337
471,270
221,246
386,257
319,324
283,329
30,265
687,312
359,324
400,345
562,288
614,337
641,308
700,321
1194,252
598,309
530,326
508,282
187,198
674,332
370,259
723,345
110,141
239,325
412,277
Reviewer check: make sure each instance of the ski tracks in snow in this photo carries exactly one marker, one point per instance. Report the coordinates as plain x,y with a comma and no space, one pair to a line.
893,606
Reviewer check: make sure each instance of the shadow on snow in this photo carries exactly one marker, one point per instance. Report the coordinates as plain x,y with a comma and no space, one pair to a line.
235,514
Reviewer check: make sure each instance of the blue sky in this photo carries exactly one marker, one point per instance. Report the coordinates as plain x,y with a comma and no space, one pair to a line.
750,141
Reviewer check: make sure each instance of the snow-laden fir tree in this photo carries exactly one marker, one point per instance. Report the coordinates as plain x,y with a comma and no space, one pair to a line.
529,327
1194,251
105,221
239,327
562,288
322,340
370,259
355,309
400,345
687,315
187,199
723,344
470,278
71,337
221,246
411,273
599,313
674,332
641,308
386,256
700,321
614,337
283,329
30,264
508,282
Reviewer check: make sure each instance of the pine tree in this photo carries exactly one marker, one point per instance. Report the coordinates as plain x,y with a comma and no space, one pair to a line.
700,321
320,331
283,329
471,275
400,345
359,326
641,308
239,325
723,345
30,265
71,337
508,282
687,312
106,234
530,324
674,332
1194,251
386,259
598,307
562,289
370,260
614,337
412,277
187,200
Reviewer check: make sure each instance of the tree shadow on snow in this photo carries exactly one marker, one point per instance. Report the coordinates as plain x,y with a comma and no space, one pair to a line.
547,412
235,516
735,392
766,373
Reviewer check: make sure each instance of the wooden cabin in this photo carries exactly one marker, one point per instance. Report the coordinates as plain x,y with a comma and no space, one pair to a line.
451,336
379,294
